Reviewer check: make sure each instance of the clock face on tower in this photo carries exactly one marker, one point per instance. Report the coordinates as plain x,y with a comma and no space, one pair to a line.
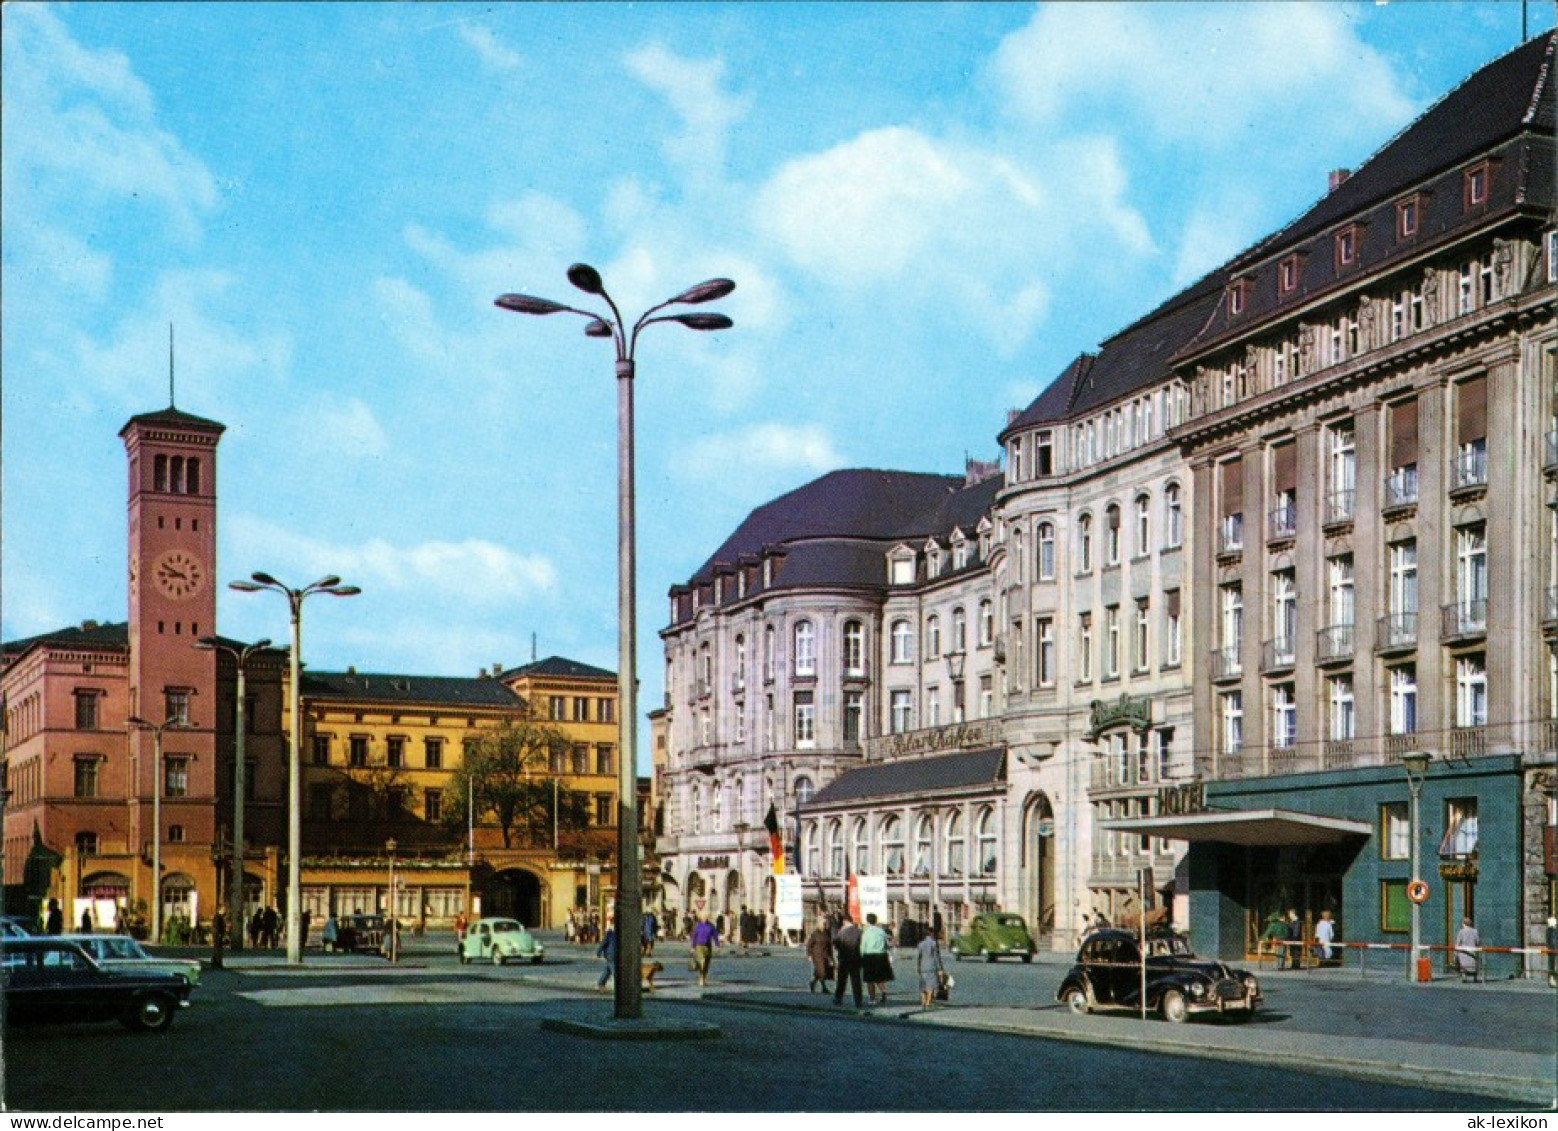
178,574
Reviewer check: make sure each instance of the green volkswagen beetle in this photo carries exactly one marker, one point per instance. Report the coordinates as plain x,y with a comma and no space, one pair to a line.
994,934
498,941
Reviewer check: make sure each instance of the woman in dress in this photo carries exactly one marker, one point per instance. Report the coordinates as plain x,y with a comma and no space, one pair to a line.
927,963
876,968
819,948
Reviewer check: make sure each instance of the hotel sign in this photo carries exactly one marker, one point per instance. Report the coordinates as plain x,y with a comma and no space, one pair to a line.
1128,710
1180,800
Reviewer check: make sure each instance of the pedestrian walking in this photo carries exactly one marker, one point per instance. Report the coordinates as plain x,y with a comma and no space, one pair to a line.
876,965
1552,950
846,951
54,921
270,926
1468,952
927,964
1325,934
651,932
819,948
86,920
1293,951
256,922
1271,938
305,920
608,951
705,937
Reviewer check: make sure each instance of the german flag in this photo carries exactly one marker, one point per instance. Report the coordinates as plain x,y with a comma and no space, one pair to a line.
775,841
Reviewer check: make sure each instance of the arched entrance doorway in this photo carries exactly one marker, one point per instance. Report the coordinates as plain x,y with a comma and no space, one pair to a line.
1037,874
733,892
513,893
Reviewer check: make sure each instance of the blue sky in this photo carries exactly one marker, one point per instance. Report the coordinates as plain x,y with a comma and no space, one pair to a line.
928,210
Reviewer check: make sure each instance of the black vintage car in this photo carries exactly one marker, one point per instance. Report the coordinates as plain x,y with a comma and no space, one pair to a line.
1108,976
50,980
361,933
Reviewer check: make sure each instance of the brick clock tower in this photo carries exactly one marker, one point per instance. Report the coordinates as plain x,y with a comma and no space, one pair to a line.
172,574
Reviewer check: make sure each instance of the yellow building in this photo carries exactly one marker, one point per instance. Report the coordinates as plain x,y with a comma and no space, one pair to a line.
382,756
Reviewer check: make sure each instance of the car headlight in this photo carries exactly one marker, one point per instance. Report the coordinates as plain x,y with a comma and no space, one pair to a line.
1197,990
1251,983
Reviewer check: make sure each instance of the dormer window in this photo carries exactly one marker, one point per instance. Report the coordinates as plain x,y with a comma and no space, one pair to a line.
1238,297
933,560
900,569
1475,188
1347,247
959,553
1287,275
1407,217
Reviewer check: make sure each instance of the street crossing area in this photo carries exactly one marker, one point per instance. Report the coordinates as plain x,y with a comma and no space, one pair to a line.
466,992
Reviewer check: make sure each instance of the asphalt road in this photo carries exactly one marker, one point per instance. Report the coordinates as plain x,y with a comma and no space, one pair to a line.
435,1036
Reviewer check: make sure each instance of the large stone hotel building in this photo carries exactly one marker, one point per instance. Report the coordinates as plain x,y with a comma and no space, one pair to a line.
1295,523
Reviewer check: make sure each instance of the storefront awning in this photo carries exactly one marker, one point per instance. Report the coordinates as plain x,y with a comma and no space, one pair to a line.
1252,827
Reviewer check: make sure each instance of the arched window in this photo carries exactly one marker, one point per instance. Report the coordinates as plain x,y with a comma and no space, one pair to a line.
1112,535
1017,570
716,809
903,642
805,648
159,477
924,844
1084,543
932,637
192,477
892,845
986,623
984,833
860,847
697,810
176,475
834,847
739,676
1143,525
1045,538
770,652
952,859
1173,517
959,642
809,850
804,790
854,648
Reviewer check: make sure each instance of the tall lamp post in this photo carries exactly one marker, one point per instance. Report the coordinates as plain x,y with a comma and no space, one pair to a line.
331,585
241,656
1415,762
629,912
955,662
177,722
391,926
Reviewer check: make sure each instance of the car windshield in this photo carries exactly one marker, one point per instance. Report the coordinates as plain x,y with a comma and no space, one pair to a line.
119,947
504,925
1172,945
1010,920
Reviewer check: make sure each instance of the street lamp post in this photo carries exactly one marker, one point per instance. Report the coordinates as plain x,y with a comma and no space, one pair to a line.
1415,763
331,585
394,934
177,722
628,995
241,657
955,662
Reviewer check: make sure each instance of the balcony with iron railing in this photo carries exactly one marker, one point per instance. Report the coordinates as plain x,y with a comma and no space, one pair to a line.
1469,469
1282,523
1334,644
1464,620
1277,654
1392,746
1468,742
1549,738
1226,663
1230,534
1337,754
1401,488
1339,506
1395,633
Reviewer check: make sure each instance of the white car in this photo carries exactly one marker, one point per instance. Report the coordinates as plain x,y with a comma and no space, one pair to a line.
121,952
498,941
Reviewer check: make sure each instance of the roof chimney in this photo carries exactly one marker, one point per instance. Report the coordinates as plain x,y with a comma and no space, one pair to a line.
1337,177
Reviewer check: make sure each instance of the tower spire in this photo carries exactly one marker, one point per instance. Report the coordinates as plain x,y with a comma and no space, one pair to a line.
170,365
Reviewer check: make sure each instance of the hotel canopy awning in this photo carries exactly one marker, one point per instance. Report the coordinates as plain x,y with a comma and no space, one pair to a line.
1250,827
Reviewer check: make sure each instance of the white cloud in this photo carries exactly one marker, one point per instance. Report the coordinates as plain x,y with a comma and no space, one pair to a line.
693,89
1207,74
340,426
474,572
494,55
91,133
760,449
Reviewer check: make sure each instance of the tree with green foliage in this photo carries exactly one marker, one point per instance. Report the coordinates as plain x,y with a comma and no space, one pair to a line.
508,777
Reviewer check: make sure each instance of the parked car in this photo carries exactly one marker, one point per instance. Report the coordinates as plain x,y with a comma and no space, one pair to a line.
51,980
993,934
498,941
356,933
1108,976
121,952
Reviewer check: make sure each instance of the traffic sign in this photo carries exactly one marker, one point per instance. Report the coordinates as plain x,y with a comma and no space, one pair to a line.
1417,891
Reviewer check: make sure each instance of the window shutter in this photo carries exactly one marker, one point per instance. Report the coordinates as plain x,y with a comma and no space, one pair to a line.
1472,410
1403,434
1284,467
1233,487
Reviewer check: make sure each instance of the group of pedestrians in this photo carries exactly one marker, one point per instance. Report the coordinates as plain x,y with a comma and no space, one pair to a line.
859,958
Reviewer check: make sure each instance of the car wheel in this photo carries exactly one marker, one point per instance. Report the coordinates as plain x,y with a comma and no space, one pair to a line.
465,959
497,957
536,961
151,1013
989,956
1027,956
1173,1006
1076,1001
